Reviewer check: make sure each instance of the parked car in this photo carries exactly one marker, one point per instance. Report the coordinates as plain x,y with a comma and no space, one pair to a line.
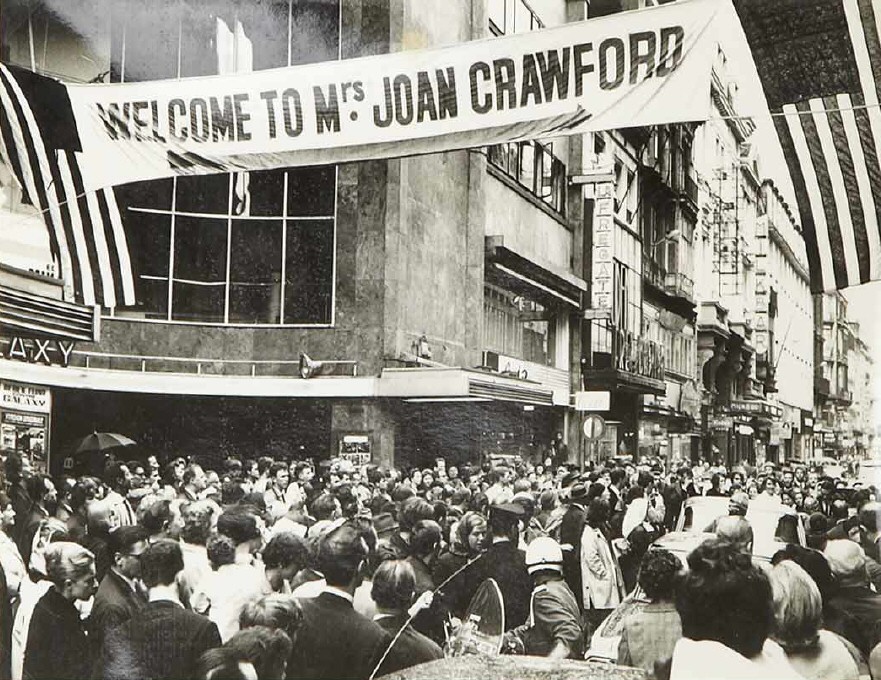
774,525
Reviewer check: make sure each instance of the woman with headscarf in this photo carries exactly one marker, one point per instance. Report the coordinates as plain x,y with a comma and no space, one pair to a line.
468,541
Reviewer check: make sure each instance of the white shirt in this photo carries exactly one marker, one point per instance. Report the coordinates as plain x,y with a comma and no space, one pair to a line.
711,660
225,592
30,594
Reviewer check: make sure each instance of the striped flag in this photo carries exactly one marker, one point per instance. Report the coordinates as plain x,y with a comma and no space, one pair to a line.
819,62
38,141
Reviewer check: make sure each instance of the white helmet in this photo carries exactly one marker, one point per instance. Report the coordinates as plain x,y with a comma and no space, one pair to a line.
544,553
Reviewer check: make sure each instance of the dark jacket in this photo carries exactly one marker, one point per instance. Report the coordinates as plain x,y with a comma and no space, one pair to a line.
31,525
504,563
57,646
453,596
430,621
554,617
411,648
335,642
854,612
115,603
571,529
164,641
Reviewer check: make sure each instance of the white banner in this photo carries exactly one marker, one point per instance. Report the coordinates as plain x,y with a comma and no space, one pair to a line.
631,69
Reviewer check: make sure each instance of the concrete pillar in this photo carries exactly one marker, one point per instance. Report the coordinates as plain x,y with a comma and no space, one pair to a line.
370,417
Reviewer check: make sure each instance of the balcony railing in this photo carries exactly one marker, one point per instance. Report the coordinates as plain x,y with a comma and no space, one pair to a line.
679,285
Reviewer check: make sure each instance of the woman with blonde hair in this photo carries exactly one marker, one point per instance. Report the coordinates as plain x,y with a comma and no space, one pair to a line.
812,651
57,646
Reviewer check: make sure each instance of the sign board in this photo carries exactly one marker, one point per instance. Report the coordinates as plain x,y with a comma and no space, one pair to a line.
23,397
25,412
355,448
593,401
594,426
597,314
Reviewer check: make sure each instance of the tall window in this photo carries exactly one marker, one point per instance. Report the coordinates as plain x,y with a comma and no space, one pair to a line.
254,248
511,327
535,167
533,164
512,16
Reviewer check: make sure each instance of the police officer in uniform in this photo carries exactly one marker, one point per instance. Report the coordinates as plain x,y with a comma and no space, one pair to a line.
504,563
554,628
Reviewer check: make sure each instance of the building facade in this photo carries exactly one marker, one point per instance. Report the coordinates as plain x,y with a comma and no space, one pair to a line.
784,327
433,297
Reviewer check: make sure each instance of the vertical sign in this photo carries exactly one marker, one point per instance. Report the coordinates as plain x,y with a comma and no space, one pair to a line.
603,224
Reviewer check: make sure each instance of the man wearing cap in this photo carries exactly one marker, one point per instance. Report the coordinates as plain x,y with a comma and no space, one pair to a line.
554,626
854,611
505,563
571,529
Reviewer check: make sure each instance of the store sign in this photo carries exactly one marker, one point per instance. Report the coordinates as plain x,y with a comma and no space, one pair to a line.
593,401
603,248
25,397
37,351
508,366
721,423
635,354
754,407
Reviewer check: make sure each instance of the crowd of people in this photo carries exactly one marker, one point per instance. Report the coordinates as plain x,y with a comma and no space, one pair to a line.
271,569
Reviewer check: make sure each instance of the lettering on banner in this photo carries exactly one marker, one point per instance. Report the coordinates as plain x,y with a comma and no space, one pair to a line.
636,68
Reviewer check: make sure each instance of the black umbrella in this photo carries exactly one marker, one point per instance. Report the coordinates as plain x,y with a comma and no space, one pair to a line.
98,442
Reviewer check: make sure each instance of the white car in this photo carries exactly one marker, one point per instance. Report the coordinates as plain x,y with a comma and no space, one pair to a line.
774,525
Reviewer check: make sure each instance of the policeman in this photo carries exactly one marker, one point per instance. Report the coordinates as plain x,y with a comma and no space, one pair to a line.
504,563
554,627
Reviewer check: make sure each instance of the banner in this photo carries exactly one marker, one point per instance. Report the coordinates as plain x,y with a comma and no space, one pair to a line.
636,68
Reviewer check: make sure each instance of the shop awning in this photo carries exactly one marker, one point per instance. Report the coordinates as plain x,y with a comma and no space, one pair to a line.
550,285
462,384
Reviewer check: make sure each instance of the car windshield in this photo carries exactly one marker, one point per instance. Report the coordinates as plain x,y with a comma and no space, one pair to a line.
770,523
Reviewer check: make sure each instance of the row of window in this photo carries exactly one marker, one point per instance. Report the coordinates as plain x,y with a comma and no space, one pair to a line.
507,333
534,166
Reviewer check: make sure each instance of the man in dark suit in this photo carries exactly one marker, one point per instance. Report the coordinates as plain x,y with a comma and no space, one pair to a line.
334,641
393,586
571,529
164,641
119,596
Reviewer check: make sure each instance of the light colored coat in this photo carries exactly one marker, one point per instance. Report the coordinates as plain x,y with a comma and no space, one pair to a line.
601,579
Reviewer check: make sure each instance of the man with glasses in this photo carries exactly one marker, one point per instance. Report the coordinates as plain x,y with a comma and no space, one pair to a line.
121,593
